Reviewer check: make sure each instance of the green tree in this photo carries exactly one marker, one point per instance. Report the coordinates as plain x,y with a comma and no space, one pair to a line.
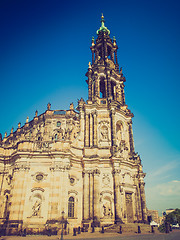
173,217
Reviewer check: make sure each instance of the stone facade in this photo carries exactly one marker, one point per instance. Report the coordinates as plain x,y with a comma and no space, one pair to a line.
153,215
78,162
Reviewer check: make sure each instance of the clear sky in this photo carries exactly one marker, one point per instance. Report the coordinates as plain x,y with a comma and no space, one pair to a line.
44,55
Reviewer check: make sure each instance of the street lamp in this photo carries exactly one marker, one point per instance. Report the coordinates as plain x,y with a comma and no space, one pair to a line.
62,224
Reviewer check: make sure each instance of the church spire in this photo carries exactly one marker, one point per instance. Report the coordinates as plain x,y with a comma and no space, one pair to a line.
105,48
105,81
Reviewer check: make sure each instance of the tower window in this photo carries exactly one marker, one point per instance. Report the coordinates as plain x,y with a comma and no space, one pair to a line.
56,137
71,207
113,91
102,89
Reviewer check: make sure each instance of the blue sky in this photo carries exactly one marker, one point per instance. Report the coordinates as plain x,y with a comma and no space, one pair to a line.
44,55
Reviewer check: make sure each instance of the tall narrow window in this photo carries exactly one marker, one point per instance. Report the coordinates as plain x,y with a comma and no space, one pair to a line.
56,137
113,90
102,89
71,207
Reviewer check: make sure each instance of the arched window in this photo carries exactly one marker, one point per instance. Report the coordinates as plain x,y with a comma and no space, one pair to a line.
39,138
102,89
58,124
71,207
113,90
56,137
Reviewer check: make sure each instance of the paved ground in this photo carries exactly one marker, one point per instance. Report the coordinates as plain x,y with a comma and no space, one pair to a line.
175,235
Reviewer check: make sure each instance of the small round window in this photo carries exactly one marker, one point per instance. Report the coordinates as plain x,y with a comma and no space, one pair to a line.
39,177
58,124
72,180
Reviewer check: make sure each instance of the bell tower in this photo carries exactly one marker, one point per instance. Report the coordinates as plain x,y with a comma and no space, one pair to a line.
110,164
105,81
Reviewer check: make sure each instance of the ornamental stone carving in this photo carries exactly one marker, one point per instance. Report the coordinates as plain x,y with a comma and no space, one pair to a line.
42,146
116,171
21,166
96,172
104,130
106,180
36,207
60,166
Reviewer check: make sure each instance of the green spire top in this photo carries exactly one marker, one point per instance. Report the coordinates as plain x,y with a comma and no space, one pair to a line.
103,28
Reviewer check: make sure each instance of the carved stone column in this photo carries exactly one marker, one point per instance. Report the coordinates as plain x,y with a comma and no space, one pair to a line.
82,122
91,129
118,93
87,130
96,85
91,194
138,199
96,217
85,195
122,94
95,129
18,192
106,88
90,88
131,141
58,194
109,85
143,201
64,205
25,183
113,128
115,92
117,196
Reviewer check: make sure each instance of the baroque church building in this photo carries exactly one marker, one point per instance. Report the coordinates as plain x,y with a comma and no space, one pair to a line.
79,163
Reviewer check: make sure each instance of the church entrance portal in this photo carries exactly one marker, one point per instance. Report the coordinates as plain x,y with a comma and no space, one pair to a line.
129,208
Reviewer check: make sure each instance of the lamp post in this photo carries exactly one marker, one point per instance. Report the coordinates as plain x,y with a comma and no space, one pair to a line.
62,224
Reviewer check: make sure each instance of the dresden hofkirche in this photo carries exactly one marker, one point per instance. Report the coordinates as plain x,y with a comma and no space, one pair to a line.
77,164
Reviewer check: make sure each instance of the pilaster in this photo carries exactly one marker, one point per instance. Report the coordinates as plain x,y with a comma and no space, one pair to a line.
108,84
21,170
95,129
117,196
86,130
91,197
143,201
106,88
138,199
96,217
91,129
96,85
113,128
86,205
131,142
